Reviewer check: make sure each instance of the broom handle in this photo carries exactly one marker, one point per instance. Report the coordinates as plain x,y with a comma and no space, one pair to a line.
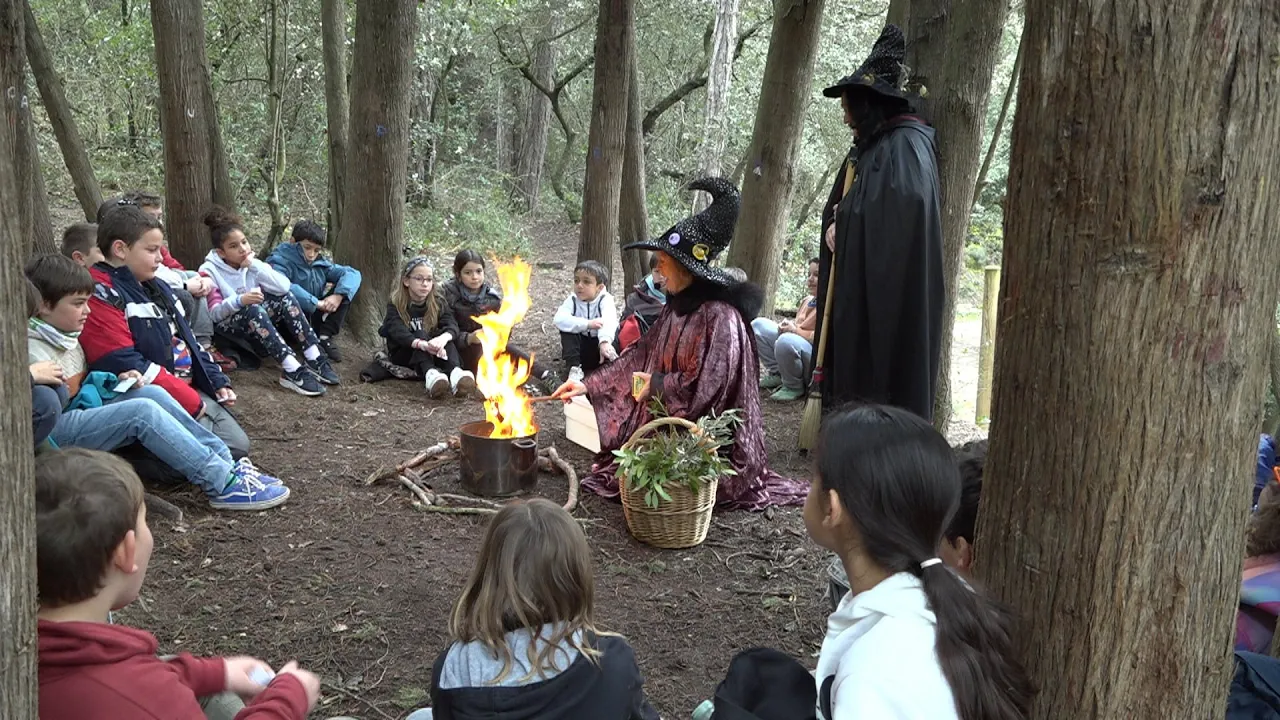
826,315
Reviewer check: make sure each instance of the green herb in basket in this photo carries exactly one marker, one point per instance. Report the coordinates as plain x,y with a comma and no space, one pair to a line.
679,456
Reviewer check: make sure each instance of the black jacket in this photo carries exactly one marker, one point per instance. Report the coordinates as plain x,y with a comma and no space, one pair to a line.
465,311
401,335
612,690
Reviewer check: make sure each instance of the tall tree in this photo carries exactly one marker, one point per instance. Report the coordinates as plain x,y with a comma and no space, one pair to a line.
537,121
276,29
83,179
194,159
333,33
775,141
724,37
633,205
1129,368
17,497
381,79
606,143
33,199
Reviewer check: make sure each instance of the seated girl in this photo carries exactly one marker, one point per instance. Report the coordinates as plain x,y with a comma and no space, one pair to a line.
525,643
886,488
697,359
420,333
467,297
786,348
251,302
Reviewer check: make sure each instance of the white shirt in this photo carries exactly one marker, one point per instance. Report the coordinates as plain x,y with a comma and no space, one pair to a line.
880,650
574,314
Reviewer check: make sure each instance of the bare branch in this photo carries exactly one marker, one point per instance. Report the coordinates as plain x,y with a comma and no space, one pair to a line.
697,80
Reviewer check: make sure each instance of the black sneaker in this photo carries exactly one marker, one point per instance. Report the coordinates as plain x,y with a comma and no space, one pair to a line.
321,368
330,348
302,382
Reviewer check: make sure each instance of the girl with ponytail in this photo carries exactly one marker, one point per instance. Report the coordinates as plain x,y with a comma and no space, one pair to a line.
910,639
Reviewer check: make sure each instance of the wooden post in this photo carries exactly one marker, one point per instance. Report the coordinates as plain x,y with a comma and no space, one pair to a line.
987,348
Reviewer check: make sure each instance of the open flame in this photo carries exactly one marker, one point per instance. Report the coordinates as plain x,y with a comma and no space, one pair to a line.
500,376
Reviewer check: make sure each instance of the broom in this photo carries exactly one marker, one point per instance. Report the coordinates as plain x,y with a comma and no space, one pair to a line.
812,422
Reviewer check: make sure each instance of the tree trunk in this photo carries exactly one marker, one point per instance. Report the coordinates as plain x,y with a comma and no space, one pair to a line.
606,142
333,24
87,190
17,496
998,131
504,151
899,14
775,142
1129,364
192,141
277,41
719,74
34,199
633,212
537,123
373,226
957,54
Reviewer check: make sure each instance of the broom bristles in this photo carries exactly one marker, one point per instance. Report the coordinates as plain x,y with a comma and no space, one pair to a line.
811,424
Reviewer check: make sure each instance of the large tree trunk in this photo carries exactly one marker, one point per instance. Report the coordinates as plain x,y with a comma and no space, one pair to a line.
633,211
189,125
606,143
32,196
775,142
1129,366
719,74
957,54
381,80
333,28
17,497
273,167
537,123
87,190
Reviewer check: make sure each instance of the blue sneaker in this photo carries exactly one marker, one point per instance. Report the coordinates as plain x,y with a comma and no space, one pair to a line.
302,382
247,493
245,466
323,371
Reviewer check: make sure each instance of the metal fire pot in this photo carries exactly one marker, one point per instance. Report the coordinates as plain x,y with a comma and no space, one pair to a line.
496,467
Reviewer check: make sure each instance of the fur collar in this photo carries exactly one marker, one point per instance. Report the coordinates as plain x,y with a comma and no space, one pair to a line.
747,298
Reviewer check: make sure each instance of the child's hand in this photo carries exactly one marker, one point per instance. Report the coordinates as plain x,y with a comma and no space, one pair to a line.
226,396
473,339
309,681
253,297
137,377
329,304
607,353
46,372
239,675
199,286
786,326
595,324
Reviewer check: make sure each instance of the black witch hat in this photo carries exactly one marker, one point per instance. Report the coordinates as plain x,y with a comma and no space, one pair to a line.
884,70
695,241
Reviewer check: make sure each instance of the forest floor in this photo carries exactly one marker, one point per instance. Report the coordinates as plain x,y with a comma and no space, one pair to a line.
357,585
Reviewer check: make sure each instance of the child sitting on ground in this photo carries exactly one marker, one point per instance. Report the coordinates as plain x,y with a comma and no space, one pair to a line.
420,333
251,302
80,243
467,297
1260,587
885,490
105,419
786,348
48,394
92,549
587,321
643,307
322,287
525,643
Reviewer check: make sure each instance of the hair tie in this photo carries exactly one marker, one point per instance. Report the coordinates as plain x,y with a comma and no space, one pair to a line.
930,563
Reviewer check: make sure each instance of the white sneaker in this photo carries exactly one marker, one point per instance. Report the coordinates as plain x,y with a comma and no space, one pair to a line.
463,382
436,383
576,374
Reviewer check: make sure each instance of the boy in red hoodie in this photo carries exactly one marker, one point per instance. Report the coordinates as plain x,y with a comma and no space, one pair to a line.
92,549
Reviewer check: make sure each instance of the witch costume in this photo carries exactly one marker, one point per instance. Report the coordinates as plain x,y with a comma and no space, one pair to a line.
702,358
887,312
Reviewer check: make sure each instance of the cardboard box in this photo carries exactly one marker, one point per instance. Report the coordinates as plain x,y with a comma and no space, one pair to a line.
580,424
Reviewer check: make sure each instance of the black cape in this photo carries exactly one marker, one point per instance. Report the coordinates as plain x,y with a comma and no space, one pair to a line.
886,316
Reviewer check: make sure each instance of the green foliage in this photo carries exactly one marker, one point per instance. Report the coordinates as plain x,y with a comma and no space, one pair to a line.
467,214
680,457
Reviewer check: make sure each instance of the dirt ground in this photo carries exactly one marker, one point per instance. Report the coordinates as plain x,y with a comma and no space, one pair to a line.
357,585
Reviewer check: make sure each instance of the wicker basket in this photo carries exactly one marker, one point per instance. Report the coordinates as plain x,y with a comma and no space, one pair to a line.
681,522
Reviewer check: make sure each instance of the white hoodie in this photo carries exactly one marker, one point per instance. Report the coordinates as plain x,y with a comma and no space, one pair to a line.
574,314
880,656
233,282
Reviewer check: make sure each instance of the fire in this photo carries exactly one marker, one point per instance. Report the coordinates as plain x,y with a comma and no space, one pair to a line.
500,376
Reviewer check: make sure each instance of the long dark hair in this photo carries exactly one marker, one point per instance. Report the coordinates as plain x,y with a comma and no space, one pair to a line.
462,258
897,479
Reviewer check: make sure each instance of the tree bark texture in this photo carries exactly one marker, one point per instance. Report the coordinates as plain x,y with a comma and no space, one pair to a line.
189,125
606,141
17,497
277,42
333,29
715,116
34,199
1139,265
373,226
633,205
84,180
775,142
965,44
537,122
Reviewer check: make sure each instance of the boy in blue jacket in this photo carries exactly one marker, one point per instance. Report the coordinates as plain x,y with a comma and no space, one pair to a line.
322,287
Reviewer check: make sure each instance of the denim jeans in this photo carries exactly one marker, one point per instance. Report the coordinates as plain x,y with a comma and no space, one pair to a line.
219,421
787,354
46,406
151,417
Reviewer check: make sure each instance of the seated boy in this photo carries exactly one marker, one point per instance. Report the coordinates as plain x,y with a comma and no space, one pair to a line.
322,287
136,324
587,321
48,394
643,306
80,243
92,551
786,348
103,420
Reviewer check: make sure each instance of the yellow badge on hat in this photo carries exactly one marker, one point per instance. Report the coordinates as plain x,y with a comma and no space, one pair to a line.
700,252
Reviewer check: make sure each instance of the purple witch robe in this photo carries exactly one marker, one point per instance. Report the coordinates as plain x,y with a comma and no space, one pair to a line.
702,362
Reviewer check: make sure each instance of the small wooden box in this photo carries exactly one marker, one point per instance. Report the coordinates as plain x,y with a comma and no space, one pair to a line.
580,424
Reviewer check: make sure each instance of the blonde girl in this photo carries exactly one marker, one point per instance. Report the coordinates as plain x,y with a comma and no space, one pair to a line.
420,335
